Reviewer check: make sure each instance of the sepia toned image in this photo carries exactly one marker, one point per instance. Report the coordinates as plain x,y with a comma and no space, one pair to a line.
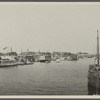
49,48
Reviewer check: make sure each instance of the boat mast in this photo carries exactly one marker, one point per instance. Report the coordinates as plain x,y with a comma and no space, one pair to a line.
97,49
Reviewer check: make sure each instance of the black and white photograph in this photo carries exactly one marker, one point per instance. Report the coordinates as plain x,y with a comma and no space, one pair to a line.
49,48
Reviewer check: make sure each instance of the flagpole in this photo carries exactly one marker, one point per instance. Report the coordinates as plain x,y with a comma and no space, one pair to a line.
97,48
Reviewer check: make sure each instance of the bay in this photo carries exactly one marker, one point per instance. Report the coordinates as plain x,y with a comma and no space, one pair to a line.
63,78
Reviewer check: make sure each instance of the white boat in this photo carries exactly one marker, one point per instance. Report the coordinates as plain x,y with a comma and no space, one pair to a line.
21,63
58,60
42,58
6,61
28,62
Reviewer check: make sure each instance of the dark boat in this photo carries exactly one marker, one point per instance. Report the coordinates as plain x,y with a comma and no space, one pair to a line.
72,57
45,58
94,70
42,58
48,57
28,62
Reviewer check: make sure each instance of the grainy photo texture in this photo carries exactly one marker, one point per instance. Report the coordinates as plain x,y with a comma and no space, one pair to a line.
49,48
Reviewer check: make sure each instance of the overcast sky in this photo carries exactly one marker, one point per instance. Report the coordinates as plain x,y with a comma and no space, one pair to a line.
49,27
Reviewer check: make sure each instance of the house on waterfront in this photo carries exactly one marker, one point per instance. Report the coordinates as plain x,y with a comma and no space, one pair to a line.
59,55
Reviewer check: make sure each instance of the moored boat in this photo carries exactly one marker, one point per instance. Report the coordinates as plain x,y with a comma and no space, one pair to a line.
6,61
21,63
45,57
94,70
24,61
72,57
42,58
58,60
28,62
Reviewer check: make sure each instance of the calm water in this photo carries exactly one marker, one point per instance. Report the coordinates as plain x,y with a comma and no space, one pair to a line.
65,78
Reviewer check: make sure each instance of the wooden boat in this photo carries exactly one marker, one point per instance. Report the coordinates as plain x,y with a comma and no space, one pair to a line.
72,57
42,58
8,64
21,63
58,60
6,61
94,70
45,57
28,62
48,57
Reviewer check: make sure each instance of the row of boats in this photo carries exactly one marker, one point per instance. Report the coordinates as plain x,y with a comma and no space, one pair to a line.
6,61
12,60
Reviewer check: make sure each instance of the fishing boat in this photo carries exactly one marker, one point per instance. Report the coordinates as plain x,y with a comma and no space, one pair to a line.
72,57
25,59
29,62
42,58
94,70
48,57
7,61
24,62
21,61
58,60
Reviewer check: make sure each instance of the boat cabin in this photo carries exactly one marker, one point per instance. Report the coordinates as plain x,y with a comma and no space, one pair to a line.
6,59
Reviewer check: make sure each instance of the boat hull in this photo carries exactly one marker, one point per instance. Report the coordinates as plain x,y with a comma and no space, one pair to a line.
29,63
42,60
21,63
7,64
94,79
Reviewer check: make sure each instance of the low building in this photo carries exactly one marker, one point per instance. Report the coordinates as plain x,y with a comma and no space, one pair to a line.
27,55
